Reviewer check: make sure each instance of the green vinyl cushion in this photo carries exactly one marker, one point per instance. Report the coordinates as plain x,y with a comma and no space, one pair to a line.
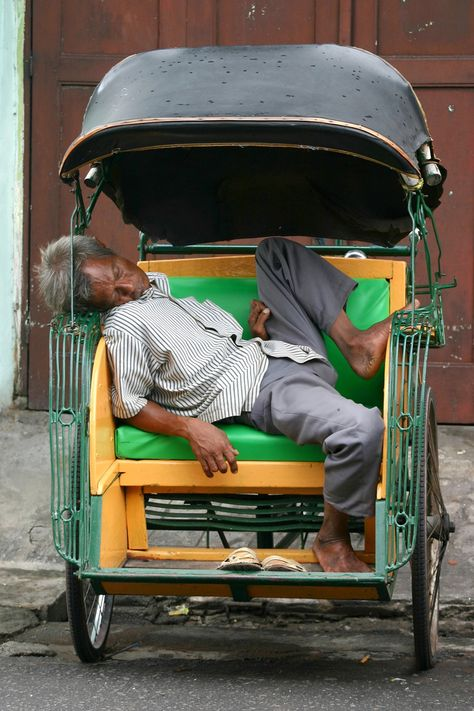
132,443
368,303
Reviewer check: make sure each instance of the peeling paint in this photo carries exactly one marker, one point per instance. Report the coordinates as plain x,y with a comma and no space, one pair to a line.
422,28
39,324
251,12
459,327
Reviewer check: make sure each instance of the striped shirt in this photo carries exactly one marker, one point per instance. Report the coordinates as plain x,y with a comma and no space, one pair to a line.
187,356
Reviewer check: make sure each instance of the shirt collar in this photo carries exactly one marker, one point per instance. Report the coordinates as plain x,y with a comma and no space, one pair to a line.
158,284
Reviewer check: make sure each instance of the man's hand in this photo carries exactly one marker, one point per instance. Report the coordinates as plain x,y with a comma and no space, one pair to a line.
257,318
211,446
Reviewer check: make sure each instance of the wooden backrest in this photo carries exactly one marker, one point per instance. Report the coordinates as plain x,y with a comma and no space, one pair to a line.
244,266
102,422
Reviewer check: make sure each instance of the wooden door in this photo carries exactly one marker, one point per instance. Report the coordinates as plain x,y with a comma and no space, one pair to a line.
74,44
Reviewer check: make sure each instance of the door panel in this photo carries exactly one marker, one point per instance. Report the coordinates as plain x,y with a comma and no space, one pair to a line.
259,22
74,44
107,220
108,27
424,28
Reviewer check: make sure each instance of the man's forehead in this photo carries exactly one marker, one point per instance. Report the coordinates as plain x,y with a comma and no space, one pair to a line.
107,259
95,267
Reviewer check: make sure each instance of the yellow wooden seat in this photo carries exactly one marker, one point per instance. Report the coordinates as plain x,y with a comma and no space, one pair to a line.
121,484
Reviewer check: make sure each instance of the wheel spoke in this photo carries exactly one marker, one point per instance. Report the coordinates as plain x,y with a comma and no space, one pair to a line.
89,593
434,573
94,612
89,614
96,623
434,495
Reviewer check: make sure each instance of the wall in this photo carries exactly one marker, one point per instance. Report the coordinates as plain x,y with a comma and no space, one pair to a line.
431,43
11,190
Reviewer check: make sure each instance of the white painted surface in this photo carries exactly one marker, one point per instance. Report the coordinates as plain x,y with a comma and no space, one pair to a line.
12,15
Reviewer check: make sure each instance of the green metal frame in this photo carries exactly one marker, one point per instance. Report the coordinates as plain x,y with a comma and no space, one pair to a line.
72,347
238,512
420,214
73,340
413,333
81,215
410,339
239,582
147,246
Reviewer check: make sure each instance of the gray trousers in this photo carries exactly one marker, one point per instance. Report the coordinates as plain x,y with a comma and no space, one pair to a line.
305,295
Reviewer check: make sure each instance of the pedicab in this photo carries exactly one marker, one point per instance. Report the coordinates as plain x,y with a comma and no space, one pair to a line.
197,148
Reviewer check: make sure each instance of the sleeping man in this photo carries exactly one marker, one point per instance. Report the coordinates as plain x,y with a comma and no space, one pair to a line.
180,366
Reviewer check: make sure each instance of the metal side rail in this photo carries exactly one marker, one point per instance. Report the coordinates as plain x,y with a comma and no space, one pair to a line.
241,586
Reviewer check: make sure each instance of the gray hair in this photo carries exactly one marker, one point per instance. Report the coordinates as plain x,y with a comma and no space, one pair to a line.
54,272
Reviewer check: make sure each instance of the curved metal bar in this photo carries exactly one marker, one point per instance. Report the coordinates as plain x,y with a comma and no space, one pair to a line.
339,250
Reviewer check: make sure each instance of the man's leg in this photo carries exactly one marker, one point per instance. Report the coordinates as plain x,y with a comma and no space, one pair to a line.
304,293
332,546
301,405
306,296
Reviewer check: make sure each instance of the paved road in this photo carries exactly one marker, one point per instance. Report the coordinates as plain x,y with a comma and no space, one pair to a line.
290,683
239,663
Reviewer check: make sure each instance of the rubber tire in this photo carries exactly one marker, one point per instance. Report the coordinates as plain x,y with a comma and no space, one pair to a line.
429,549
81,600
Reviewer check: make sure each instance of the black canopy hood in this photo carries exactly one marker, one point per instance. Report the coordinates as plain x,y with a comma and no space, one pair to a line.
216,143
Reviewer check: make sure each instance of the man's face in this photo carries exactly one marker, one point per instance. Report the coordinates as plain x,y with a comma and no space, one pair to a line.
113,281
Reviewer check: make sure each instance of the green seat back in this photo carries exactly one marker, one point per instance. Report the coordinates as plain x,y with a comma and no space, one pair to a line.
368,303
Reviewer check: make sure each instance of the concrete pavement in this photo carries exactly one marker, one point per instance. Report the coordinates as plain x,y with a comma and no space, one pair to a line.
243,656
32,574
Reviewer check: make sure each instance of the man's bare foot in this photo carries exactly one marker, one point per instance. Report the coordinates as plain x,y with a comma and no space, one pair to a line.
364,350
336,555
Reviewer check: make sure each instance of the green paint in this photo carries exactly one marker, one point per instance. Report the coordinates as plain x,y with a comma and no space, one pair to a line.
93,555
180,576
380,538
72,348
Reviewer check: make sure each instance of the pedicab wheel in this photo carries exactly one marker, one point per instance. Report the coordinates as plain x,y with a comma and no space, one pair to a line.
89,616
431,540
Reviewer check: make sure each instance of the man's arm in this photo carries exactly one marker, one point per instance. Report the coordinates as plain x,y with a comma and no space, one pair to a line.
211,445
